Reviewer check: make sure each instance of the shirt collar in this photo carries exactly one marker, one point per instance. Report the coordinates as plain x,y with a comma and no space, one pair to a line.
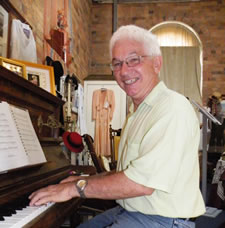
151,99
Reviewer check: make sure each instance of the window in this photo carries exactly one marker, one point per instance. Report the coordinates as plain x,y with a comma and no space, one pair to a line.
182,52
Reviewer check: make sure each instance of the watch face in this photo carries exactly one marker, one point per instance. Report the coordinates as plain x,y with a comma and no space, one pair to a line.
81,183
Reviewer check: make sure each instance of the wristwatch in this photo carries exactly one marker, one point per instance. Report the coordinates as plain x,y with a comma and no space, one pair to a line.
81,185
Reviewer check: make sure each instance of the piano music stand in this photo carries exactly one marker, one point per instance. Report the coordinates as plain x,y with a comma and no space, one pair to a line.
206,115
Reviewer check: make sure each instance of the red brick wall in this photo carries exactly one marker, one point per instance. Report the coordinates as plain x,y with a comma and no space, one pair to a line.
33,12
92,26
207,18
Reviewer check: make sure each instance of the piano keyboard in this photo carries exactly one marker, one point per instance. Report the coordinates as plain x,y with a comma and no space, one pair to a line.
22,217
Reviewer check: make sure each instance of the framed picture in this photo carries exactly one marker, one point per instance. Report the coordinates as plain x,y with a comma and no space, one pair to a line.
40,75
14,66
4,21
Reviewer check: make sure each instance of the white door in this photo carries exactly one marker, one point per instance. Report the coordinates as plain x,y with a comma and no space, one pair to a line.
119,114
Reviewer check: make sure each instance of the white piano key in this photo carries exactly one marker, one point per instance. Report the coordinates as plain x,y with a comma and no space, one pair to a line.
11,220
5,225
23,212
14,216
27,209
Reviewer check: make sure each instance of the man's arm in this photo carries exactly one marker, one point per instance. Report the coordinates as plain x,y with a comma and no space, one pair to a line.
112,186
115,186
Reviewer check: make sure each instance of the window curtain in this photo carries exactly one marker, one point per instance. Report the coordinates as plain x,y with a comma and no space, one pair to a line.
181,70
175,35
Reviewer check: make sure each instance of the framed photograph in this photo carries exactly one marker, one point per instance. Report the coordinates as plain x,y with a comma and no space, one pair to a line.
4,21
14,66
40,75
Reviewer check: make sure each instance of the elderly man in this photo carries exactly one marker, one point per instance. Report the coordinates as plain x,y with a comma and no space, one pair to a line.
156,183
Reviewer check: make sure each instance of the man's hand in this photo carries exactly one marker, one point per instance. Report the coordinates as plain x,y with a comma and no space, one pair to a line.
53,193
70,179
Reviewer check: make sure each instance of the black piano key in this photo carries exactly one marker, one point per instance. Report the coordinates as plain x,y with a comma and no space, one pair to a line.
11,208
4,211
21,203
1,218
7,213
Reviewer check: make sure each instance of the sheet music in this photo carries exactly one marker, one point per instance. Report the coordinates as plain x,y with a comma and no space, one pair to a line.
19,145
11,151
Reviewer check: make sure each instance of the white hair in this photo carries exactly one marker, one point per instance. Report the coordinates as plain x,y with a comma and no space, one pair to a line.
138,34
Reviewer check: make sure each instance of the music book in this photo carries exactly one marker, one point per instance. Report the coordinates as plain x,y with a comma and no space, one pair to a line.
19,144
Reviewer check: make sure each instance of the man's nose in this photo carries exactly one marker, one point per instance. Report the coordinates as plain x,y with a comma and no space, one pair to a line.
124,68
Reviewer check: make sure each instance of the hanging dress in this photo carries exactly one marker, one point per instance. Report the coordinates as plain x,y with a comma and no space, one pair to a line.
103,105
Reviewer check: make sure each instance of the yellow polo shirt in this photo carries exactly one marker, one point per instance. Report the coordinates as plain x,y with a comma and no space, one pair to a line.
159,149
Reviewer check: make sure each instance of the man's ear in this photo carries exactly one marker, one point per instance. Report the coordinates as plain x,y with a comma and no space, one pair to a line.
157,64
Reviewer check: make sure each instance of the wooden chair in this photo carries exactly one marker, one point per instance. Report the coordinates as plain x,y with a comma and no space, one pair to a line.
114,146
96,160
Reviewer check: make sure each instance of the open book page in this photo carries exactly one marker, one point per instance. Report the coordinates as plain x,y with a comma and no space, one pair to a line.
28,136
19,145
12,154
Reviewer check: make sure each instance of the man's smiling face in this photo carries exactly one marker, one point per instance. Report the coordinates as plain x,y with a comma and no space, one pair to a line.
139,80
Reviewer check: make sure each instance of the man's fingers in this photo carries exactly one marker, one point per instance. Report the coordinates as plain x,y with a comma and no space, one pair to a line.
36,192
37,201
52,193
41,196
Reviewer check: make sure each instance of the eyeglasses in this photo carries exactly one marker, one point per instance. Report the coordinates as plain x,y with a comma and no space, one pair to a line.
131,61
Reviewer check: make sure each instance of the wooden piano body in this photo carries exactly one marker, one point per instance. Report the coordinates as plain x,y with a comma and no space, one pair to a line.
13,185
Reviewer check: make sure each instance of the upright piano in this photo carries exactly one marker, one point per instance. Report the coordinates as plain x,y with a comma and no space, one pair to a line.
15,186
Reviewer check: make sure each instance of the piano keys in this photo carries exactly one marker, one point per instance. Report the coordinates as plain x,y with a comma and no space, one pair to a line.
21,217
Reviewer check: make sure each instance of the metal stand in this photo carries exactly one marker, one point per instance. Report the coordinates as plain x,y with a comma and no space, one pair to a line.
204,158
206,116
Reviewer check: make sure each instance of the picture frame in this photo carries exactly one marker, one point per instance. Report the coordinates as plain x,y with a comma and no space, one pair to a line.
4,24
40,75
14,66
